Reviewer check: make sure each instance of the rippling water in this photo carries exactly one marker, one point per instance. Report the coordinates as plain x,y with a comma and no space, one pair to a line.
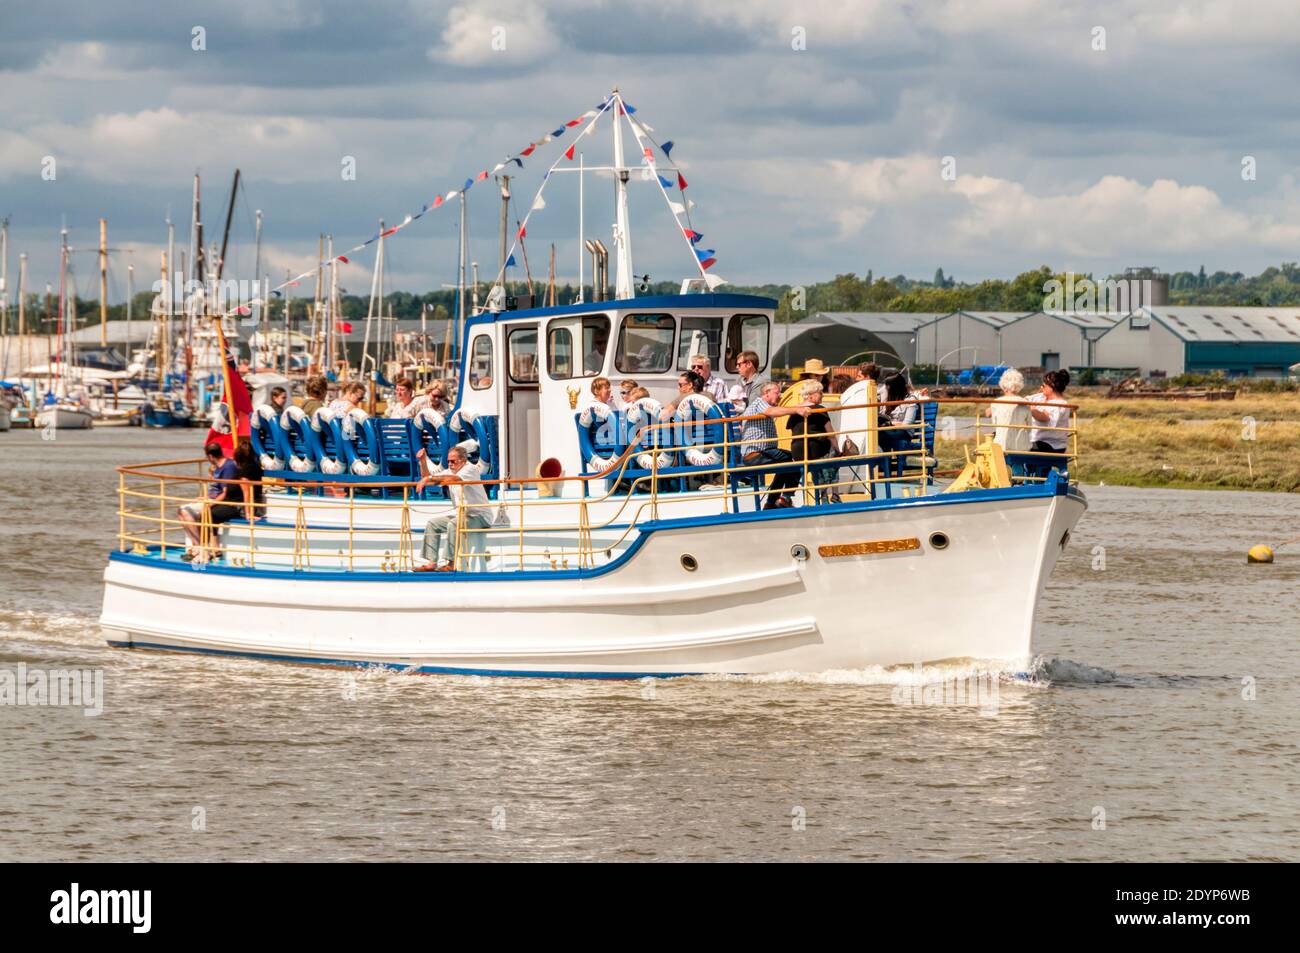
1135,708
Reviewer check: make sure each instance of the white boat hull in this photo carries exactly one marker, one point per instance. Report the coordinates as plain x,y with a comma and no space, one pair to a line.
64,418
749,607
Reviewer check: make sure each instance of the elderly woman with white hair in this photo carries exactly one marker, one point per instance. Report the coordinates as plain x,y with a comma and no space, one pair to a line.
1010,413
812,437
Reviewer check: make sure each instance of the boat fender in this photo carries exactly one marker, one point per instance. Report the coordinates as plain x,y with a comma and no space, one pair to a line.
691,408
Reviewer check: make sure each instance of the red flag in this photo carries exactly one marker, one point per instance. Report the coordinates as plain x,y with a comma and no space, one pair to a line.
241,404
482,175
437,202
708,263
574,122
344,259
529,150
568,153
344,326
523,230
681,183
649,155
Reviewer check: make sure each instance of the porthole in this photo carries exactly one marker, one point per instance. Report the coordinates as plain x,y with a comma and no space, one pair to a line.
689,562
799,551
938,540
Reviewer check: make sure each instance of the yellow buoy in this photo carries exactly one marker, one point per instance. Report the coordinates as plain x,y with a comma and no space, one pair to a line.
1259,554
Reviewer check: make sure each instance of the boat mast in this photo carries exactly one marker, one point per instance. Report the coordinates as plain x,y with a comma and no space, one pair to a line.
582,242
622,238
130,293
103,282
505,224
261,314
23,348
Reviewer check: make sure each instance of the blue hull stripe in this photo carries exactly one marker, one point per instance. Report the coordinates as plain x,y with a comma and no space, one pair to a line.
395,666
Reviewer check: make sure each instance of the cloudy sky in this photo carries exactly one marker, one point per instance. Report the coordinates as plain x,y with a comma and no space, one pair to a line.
815,136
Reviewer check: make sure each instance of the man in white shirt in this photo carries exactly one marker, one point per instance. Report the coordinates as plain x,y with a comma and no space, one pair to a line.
469,496
1048,407
713,386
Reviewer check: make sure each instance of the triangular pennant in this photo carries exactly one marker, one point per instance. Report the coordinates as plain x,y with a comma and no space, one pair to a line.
517,161
681,182
498,167
344,259
573,122
483,175
510,262
703,253
667,147
466,186
666,183
529,150
523,230
437,202
557,133
677,207
568,153
708,263
539,202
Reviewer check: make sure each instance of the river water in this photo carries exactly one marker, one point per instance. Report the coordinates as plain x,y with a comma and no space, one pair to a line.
1159,722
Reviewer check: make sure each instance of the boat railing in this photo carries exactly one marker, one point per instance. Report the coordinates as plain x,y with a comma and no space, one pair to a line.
330,523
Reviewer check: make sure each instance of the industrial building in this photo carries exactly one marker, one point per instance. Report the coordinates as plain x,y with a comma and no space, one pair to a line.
1241,342
837,336
963,338
1053,339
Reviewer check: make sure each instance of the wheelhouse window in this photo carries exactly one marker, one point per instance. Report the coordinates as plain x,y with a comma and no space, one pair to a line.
562,362
645,343
480,362
700,336
521,345
747,332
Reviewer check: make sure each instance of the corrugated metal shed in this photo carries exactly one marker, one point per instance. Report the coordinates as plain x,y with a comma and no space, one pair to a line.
1231,324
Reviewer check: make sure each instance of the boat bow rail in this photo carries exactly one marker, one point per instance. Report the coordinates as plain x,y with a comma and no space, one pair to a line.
668,474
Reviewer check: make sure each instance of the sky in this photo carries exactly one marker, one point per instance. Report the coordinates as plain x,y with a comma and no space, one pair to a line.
986,137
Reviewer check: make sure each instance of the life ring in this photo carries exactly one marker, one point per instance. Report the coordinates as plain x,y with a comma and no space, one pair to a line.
365,467
463,418
593,412
430,416
331,466
687,410
350,420
295,414
320,418
597,413
260,417
647,410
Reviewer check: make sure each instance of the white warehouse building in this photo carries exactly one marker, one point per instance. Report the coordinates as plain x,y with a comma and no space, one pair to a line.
1054,339
963,338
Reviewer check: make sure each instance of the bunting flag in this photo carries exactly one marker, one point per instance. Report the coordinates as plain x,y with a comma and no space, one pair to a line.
523,231
510,262
589,117
704,253
665,182
343,326
708,263
539,202
667,147
681,183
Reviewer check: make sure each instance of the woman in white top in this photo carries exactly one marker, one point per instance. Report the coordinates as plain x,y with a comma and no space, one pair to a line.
350,396
1010,413
1049,408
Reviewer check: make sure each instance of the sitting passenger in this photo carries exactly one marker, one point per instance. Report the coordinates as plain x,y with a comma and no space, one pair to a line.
316,388
810,436
758,441
625,387
1049,408
404,404
440,533
279,399
1010,413
225,476
602,391
688,382
898,416
350,396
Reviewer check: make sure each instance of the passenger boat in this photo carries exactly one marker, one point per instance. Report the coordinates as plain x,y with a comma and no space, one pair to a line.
621,544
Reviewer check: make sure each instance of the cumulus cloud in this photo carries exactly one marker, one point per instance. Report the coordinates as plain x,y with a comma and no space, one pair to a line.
513,34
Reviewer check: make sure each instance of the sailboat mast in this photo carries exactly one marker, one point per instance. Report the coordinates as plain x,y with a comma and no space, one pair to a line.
103,282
